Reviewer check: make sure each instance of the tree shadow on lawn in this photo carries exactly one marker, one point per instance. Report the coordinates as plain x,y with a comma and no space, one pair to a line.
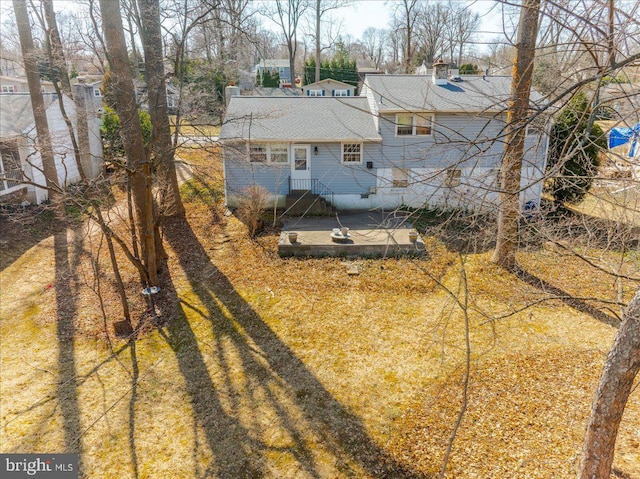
271,384
66,292
570,300
23,228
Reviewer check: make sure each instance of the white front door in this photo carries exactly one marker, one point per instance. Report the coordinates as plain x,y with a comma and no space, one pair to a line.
300,167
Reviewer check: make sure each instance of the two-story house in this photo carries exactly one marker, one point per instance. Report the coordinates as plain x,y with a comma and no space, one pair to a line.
20,162
406,140
280,66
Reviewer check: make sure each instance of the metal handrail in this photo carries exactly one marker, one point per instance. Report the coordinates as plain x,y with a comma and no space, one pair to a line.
314,187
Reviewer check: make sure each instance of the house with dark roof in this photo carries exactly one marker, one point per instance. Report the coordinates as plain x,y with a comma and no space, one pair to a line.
406,140
20,160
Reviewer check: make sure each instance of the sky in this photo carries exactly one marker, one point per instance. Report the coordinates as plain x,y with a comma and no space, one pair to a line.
361,14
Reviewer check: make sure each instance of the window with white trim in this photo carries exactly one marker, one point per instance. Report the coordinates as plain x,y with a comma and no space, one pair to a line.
279,153
399,177
10,168
341,93
352,152
269,153
96,92
8,89
315,92
453,177
258,153
418,125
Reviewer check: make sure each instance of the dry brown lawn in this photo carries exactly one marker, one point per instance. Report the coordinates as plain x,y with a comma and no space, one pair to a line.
289,368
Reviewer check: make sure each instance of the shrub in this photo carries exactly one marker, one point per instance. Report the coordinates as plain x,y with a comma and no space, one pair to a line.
573,152
252,206
110,132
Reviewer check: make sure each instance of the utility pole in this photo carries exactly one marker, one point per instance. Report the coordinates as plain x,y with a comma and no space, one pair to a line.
518,108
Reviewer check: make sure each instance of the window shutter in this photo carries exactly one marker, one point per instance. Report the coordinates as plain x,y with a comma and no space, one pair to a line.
322,92
308,93
333,93
348,92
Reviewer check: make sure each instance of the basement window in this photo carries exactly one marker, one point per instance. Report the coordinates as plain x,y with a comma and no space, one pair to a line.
400,177
453,178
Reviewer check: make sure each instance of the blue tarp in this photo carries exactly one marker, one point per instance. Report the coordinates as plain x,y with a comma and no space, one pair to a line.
621,136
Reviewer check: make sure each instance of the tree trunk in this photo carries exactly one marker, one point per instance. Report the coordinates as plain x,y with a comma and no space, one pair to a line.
616,381
509,209
37,102
318,14
131,133
161,146
57,53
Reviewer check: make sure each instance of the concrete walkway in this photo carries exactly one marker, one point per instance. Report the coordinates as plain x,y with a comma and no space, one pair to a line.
371,234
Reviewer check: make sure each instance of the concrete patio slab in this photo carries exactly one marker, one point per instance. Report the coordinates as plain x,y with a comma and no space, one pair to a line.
371,234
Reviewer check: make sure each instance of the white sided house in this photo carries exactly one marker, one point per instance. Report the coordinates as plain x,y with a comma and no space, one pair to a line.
21,165
406,140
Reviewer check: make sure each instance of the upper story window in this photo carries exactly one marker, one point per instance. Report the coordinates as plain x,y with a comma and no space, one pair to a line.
352,152
269,153
8,89
409,124
96,92
315,92
341,93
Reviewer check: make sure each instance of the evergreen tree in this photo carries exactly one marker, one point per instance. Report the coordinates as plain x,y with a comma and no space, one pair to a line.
573,152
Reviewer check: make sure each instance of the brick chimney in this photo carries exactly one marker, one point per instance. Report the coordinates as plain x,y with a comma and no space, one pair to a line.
439,74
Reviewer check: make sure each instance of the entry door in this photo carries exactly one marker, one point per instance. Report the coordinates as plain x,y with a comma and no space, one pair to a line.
301,167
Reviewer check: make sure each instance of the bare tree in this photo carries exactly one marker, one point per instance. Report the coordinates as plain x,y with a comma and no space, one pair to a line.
321,8
407,13
614,388
518,110
138,165
374,42
287,14
431,25
157,97
460,27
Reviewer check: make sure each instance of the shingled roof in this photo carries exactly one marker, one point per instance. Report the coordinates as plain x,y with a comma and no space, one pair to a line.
299,119
394,93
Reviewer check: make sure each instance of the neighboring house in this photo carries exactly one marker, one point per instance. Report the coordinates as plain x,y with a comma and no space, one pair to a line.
280,66
328,87
407,140
267,91
20,154
20,85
